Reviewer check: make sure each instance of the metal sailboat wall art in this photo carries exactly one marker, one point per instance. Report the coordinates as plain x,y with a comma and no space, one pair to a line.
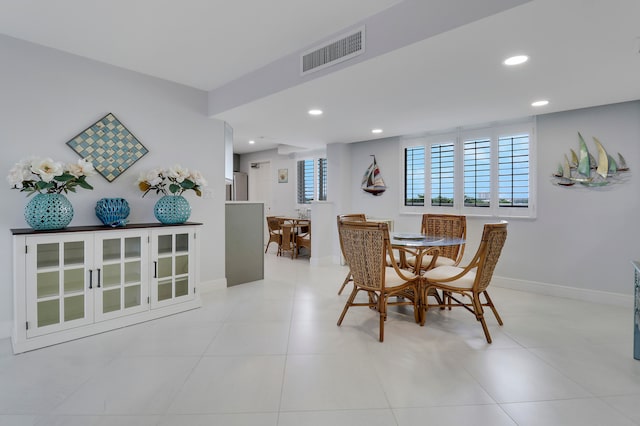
372,181
583,167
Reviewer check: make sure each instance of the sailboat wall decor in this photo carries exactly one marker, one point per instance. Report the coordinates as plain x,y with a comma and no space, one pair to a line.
372,181
583,168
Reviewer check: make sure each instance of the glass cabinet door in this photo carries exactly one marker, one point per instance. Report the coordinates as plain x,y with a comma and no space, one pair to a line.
121,274
58,283
172,280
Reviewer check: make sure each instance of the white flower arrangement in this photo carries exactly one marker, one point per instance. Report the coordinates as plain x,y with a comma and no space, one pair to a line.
43,175
174,180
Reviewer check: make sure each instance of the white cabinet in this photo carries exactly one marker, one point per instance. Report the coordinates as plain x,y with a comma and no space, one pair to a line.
86,280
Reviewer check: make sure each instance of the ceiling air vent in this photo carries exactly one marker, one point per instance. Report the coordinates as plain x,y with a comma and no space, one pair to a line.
338,50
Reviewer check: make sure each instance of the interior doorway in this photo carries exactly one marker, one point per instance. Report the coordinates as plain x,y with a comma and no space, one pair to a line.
260,188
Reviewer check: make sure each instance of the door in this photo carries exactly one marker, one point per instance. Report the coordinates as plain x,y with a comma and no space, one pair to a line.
260,188
173,261
59,282
121,281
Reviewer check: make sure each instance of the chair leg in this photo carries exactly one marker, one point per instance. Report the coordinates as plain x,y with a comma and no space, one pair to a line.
493,308
382,309
477,308
344,283
350,300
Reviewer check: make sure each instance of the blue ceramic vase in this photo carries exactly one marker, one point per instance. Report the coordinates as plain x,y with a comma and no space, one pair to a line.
172,209
113,211
48,211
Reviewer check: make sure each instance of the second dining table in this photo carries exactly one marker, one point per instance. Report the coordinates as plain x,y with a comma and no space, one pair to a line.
298,226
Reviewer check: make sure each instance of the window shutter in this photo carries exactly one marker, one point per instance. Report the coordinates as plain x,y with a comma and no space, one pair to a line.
414,176
477,173
442,175
513,171
322,179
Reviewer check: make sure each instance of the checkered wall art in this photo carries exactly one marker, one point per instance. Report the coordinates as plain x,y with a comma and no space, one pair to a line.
110,146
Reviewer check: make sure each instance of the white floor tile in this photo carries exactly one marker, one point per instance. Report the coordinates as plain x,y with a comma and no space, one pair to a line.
571,412
628,405
476,415
424,380
331,382
515,375
338,418
248,338
241,419
130,385
232,384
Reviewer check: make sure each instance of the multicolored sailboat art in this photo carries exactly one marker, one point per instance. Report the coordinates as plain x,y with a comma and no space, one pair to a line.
584,169
372,181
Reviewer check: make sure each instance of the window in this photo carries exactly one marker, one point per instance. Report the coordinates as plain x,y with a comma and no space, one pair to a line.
513,171
487,172
322,179
442,183
414,176
312,186
477,173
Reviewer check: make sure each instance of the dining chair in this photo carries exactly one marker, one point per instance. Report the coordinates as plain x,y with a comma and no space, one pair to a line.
470,281
442,225
303,238
353,217
365,246
275,233
288,241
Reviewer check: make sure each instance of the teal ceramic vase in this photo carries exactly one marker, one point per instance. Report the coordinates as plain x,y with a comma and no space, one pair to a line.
172,209
48,211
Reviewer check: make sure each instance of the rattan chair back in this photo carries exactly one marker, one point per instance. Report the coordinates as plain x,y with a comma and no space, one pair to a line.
446,225
365,245
494,236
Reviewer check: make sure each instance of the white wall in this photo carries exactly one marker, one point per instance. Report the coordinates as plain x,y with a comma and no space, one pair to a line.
47,97
582,238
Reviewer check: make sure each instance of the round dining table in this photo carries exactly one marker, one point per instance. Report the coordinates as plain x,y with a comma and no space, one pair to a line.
419,243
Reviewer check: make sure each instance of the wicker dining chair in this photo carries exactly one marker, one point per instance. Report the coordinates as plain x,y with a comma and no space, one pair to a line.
288,241
365,246
470,281
303,239
275,233
443,225
352,217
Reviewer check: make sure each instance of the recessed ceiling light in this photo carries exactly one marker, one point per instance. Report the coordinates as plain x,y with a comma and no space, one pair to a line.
315,112
516,60
252,142
539,103
376,131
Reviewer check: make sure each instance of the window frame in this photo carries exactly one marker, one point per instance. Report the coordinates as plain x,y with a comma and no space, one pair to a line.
458,137
316,163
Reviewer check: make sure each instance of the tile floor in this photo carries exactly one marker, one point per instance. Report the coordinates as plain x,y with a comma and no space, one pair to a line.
269,353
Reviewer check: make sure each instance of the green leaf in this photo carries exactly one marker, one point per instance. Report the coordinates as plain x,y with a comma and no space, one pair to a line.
84,184
65,177
174,188
187,184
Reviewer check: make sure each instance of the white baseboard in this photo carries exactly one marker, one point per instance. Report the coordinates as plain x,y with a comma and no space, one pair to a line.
595,296
211,285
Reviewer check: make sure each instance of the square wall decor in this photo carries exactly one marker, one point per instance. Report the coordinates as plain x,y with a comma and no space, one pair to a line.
110,146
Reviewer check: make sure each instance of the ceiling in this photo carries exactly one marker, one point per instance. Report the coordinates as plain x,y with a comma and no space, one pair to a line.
582,53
